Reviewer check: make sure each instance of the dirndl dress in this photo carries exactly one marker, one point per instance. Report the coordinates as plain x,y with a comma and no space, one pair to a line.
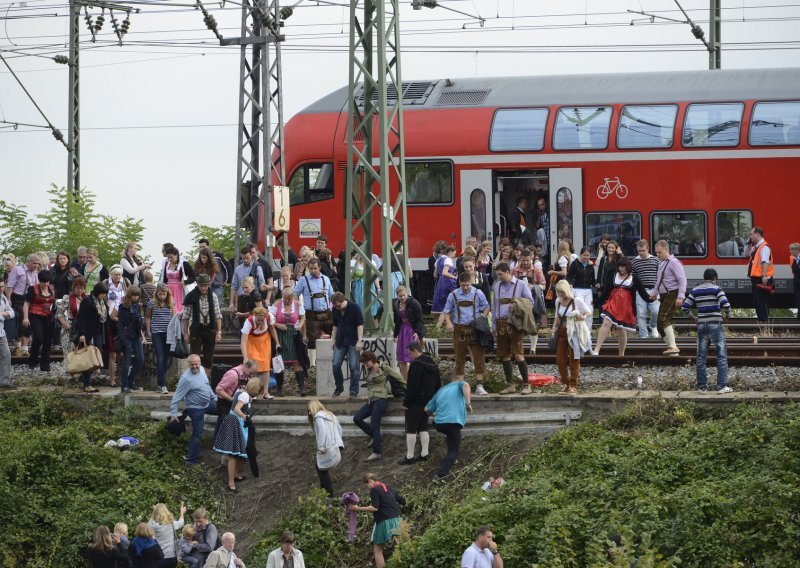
175,283
259,342
232,436
289,319
404,338
444,285
618,309
384,531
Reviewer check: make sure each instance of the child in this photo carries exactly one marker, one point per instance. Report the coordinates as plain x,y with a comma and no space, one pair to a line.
185,545
121,536
148,288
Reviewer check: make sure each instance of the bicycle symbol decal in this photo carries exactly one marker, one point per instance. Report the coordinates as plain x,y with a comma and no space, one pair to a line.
612,185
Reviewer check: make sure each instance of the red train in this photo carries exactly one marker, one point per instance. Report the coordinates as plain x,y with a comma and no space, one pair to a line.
695,157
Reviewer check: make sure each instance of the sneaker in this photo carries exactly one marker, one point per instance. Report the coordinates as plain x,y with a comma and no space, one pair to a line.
407,461
163,390
526,390
724,390
510,389
595,352
479,390
655,334
337,393
439,479
135,388
373,457
702,390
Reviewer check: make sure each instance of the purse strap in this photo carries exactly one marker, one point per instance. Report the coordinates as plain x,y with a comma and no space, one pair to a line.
560,318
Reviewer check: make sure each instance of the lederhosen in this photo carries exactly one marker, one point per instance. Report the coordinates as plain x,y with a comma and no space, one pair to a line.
509,339
317,321
464,337
667,308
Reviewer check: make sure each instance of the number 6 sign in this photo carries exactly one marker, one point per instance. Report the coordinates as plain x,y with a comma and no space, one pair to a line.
280,206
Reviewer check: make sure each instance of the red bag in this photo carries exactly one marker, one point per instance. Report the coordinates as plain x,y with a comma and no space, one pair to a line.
538,380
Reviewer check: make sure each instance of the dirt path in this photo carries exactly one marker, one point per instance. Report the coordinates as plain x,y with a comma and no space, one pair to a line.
287,472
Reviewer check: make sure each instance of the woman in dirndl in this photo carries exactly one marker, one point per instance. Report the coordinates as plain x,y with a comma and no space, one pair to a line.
408,326
232,436
258,332
385,509
448,279
290,316
619,310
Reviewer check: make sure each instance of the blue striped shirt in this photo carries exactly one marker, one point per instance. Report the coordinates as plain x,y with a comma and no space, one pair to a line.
159,318
710,300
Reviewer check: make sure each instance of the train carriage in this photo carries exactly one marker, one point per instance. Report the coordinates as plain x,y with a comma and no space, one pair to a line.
693,157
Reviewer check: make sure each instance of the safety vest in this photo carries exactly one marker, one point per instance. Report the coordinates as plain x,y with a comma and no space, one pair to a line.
754,269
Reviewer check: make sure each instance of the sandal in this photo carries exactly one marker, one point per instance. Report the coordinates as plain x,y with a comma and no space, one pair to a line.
240,477
268,396
232,488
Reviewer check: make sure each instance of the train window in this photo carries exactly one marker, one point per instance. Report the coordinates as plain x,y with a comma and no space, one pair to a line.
648,126
713,124
311,182
775,124
477,216
582,128
733,230
625,227
429,183
564,208
517,129
685,231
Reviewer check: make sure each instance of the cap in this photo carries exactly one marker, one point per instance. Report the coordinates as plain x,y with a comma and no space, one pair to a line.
203,279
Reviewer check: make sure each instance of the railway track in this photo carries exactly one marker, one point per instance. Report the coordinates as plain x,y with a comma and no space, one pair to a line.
781,351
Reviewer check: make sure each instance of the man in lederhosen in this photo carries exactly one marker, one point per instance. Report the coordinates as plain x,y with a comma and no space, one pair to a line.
463,304
316,290
508,339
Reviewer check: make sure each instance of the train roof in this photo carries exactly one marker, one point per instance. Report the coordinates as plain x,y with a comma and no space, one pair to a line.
606,88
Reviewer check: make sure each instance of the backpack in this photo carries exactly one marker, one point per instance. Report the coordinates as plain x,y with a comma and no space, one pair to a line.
396,381
219,537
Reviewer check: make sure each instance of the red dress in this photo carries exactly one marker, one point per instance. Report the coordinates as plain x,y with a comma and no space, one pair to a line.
618,309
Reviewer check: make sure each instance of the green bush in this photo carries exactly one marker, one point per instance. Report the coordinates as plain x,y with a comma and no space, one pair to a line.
677,485
58,482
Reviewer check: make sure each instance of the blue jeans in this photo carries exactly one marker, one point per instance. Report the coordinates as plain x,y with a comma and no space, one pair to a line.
373,410
128,375
162,357
339,354
196,415
642,308
707,333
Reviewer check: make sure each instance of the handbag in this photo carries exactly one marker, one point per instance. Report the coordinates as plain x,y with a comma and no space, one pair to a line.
179,349
328,458
277,364
84,359
551,290
552,344
176,427
539,307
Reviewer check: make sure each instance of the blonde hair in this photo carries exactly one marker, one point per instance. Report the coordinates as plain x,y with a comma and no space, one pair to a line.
168,301
287,292
188,531
564,287
249,280
315,406
92,251
143,530
260,311
148,276
399,289
564,249
102,540
254,386
162,515
121,529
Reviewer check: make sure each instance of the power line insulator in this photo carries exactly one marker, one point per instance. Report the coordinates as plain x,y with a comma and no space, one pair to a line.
99,23
61,59
698,32
286,12
58,135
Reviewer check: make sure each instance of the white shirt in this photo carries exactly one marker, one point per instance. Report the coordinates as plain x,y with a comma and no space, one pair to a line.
243,397
248,327
474,557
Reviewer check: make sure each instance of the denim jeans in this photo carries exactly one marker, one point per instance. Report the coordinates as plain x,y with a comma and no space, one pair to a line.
374,410
162,357
707,333
339,354
5,362
642,308
453,434
196,415
133,347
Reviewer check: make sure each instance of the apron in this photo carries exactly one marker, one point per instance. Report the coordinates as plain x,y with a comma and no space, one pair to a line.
259,348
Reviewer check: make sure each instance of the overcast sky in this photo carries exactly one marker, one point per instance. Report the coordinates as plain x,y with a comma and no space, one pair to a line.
180,164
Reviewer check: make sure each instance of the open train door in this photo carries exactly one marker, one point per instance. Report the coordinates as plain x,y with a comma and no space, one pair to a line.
566,209
476,205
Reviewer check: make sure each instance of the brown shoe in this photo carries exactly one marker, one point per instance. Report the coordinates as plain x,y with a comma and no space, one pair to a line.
526,390
672,351
510,389
572,390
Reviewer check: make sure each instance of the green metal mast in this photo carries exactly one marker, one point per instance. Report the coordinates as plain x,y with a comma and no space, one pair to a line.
375,134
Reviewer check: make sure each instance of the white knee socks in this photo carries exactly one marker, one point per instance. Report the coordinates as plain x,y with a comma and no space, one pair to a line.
669,335
312,357
424,441
411,443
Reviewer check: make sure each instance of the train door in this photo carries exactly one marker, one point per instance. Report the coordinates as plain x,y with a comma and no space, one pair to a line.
476,205
566,209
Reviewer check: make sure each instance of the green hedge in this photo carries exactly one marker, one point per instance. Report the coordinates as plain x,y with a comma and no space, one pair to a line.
679,486
58,482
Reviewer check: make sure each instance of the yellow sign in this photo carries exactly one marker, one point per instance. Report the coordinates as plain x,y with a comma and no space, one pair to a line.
280,207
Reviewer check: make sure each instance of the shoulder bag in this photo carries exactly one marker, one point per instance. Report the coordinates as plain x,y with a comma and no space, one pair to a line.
552,344
84,359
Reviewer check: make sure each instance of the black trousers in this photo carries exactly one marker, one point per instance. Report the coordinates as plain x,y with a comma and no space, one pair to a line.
797,301
203,342
325,481
42,333
760,300
453,434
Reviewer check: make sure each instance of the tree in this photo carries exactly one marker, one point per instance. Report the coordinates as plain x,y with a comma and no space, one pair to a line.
222,239
70,222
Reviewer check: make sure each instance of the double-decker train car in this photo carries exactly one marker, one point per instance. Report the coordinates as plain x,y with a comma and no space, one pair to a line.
697,158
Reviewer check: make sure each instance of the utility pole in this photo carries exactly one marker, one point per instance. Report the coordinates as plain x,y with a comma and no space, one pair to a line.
375,126
714,35
260,119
